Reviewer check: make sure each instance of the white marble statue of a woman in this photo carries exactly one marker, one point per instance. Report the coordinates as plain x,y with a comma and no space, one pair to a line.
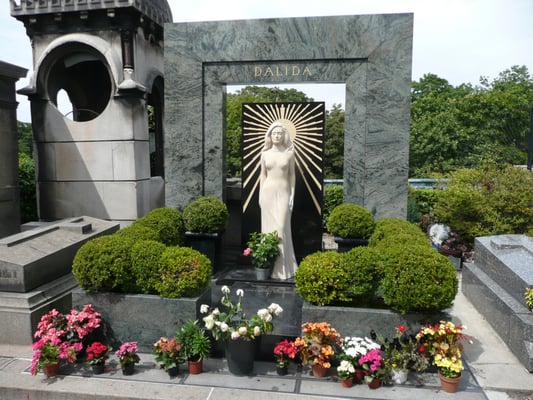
276,195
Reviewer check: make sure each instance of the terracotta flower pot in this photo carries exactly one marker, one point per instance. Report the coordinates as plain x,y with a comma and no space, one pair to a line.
348,382
449,385
319,371
374,383
51,370
195,367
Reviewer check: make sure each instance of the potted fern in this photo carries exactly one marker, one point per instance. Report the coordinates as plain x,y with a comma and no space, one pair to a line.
195,345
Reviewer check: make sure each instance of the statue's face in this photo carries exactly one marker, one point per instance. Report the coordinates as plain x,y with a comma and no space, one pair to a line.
277,135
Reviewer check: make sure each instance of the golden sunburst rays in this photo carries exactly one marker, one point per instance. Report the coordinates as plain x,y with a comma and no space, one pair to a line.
305,122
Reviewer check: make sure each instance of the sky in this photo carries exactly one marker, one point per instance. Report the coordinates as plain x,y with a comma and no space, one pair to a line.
457,40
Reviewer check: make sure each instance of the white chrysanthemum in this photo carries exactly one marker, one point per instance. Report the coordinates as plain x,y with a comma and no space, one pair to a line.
204,308
225,289
240,292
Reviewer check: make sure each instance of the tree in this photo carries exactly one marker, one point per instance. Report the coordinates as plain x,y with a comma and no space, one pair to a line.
465,126
334,143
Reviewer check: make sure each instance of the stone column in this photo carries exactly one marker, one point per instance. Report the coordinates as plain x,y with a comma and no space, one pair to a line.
9,184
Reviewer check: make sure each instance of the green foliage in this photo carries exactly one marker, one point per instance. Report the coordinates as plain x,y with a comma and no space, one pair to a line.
528,295
25,138
365,266
417,278
264,249
333,197
168,223
104,264
487,201
206,215
413,212
351,221
28,196
137,232
183,272
145,255
322,278
425,199
465,126
334,143
195,345
389,227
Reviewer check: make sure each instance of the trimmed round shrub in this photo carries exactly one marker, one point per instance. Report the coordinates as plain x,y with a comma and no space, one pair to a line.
145,255
104,264
322,278
167,222
365,267
351,221
183,272
138,232
206,215
417,278
390,227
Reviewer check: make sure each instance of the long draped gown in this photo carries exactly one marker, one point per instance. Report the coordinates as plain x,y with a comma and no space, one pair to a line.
274,197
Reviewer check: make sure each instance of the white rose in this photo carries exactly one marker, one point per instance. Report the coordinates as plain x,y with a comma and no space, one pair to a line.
209,322
257,331
243,331
235,335
224,327
216,312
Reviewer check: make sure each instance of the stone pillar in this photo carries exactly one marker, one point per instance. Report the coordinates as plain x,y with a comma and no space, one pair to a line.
9,186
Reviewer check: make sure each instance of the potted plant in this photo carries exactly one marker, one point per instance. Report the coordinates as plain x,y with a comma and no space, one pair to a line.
346,371
195,345
372,364
263,248
317,346
284,351
128,357
97,354
231,325
50,351
402,354
168,354
205,219
351,225
351,349
59,337
443,342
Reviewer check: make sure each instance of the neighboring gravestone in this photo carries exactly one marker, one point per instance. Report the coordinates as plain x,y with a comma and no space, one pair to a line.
496,283
9,186
35,273
370,54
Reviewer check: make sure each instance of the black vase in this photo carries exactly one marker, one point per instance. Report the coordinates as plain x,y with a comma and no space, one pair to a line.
240,356
173,371
98,368
128,369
